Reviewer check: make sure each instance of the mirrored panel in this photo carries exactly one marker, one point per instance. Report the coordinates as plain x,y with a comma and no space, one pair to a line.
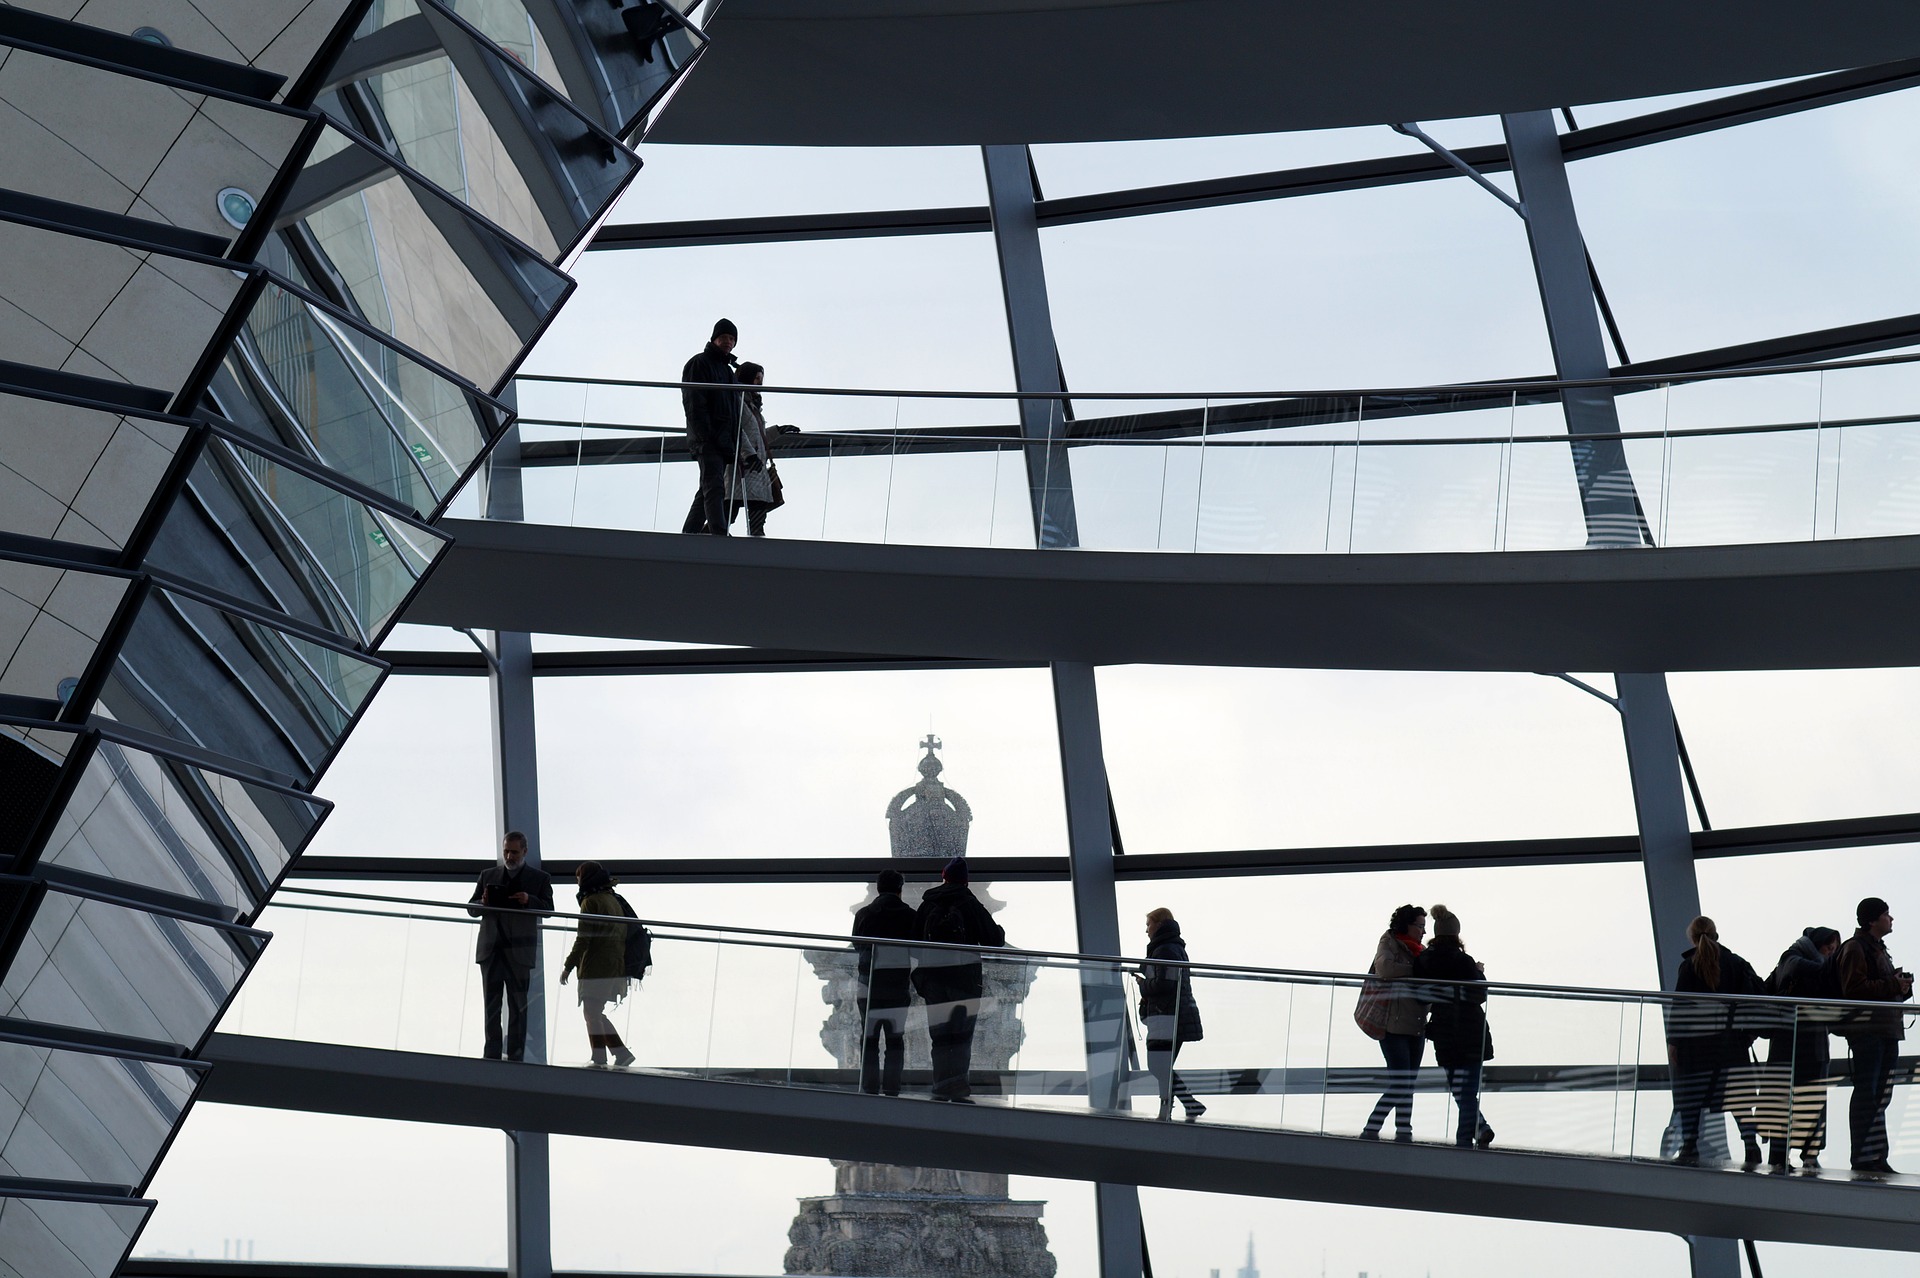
86,306
254,527
449,103
90,136
79,474
230,684
159,823
414,264
54,1237
305,377
51,621
78,1116
95,965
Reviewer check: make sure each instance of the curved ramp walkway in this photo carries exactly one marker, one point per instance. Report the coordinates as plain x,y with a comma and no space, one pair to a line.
680,1110
1825,604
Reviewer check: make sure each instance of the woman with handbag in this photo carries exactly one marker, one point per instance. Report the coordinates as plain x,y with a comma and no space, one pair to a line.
1168,1011
751,479
1457,1022
1705,1044
1401,1019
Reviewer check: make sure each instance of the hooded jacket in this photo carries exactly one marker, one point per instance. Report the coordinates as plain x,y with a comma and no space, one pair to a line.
599,943
1166,993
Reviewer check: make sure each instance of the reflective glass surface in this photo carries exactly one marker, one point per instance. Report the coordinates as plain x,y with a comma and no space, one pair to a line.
156,152
475,121
256,528
236,686
417,265
94,965
307,379
163,824
610,61
77,1116
89,307
51,621
44,1237
78,474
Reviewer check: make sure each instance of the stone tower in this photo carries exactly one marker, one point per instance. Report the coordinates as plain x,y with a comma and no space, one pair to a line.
883,1221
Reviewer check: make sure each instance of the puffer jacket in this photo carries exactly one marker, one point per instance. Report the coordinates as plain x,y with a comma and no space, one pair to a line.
1166,993
1393,962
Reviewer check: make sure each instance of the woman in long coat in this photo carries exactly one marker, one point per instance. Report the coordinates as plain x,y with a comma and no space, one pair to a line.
599,954
1403,1044
1704,1040
1457,1023
750,474
1169,1011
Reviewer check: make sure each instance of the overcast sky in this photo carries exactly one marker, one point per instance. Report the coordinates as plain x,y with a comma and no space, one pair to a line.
1771,228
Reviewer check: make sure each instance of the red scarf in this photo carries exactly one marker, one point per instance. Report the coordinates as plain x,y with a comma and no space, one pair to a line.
1411,942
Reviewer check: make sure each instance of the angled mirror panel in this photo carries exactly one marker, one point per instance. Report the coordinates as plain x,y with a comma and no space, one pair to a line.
470,118
307,379
160,823
94,965
73,132
77,1116
255,528
51,621
29,774
612,62
89,307
233,685
46,1237
77,474
415,264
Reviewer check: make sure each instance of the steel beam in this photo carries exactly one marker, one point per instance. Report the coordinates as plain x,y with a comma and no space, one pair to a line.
1036,361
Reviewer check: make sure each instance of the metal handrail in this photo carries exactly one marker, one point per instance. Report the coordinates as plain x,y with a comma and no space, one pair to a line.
1579,993
1453,388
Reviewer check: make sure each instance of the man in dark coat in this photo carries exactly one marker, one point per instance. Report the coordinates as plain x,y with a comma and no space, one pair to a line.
885,987
1169,1011
713,421
951,981
1867,974
516,894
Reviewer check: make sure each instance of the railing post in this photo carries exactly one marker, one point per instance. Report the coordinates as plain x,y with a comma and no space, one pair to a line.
1097,931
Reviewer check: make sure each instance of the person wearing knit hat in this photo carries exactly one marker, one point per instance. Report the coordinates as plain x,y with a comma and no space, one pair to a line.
951,981
713,423
1793,1083
1457,1025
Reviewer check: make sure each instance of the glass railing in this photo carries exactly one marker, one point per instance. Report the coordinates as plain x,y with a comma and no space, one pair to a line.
1808,453
1600,1073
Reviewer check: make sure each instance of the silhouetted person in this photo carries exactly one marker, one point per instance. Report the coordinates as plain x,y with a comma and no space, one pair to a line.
712,428
885,984
1868,975
1169,1011
951,981
1402,1044
1457,1022
751,479
1705,1043
509,941
1798,1054
600,954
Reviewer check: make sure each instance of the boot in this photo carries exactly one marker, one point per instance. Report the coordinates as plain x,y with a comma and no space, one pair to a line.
1754,1156
1777,1154
621,1056
598,1042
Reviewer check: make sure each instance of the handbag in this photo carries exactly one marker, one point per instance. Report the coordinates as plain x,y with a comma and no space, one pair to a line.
773,479
1370,1010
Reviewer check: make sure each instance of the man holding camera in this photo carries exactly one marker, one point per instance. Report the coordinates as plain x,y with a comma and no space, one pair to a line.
1867,974
514,895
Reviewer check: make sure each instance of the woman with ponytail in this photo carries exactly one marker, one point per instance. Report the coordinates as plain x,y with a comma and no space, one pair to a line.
1703,1046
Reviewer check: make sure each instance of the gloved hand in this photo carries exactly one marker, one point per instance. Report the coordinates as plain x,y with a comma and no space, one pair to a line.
786,430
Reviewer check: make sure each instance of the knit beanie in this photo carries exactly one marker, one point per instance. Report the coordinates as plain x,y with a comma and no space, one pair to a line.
1445,921
955,871
725,326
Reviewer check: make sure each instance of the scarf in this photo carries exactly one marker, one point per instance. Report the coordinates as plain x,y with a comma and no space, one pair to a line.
1411,942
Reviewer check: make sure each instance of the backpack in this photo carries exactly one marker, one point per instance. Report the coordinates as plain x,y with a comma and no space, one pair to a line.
639,942
948,926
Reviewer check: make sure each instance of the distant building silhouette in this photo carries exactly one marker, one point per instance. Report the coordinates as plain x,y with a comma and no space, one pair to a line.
1248,1270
